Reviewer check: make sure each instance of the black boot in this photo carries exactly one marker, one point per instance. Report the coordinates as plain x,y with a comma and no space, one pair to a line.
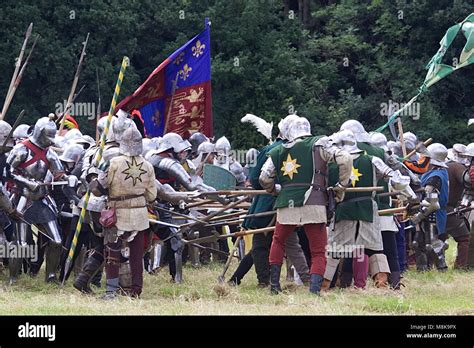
315,284
394,280
53,256
275,287
82,281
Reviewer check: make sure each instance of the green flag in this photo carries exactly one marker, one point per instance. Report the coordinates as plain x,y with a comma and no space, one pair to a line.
437,70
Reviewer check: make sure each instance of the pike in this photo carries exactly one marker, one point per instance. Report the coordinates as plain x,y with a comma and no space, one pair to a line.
17,69
426,143
19,77
204,221
173,92
400,134
178,214
167,224
74,85
215,238
460,210
264,192
98,157
98,106
221,278
392,210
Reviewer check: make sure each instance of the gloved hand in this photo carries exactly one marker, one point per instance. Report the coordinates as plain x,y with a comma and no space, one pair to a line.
72,180
339,192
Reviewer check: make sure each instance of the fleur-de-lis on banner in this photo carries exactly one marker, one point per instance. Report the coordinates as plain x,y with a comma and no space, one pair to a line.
179,58
184,73
198,49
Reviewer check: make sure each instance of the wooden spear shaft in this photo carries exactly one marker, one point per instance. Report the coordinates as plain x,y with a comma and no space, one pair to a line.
400,134
426,143
17,68
74,84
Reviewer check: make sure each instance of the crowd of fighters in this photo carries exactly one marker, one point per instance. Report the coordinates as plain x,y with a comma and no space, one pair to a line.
331,219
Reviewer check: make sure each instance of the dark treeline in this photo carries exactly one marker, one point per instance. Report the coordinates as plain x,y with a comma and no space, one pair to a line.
329,60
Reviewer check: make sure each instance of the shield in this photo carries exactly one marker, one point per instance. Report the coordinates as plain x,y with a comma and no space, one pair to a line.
219,178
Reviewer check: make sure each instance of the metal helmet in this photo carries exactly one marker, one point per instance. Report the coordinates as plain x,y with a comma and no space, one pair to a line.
73,153
438,153
131,142
456,154
21,132
469,150
222,146
156,141
44,132
197,139
173,141
101,128
206,147
5,129
346,140
410,140
85,141
379,139
251,156
299,128
72,134
284,125
357,129
121,124
148,145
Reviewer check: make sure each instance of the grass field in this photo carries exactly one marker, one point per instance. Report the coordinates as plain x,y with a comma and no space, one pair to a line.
449,293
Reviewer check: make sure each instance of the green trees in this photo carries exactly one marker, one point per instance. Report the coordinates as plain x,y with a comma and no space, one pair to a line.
344,61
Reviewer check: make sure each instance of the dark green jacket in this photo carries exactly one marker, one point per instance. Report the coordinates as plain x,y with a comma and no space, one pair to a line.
260,203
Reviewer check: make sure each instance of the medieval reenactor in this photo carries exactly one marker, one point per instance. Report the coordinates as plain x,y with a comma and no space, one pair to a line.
30,161
467,199
129,184
430,238
261,242
169,171
356,222
92,233
297,173
457,225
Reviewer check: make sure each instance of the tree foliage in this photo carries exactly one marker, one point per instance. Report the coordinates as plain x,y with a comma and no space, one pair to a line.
342,60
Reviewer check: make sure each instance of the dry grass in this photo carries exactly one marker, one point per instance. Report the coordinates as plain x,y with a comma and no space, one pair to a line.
448,293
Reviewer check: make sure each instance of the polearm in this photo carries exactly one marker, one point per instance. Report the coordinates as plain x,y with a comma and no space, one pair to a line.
74,84
426,143
98,107
400,135
19,77
17,69
173,91
215,238
125,63
263,192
